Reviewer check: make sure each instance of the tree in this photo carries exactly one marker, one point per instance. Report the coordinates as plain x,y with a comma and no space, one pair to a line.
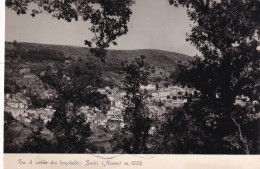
108,18
75,86
177,134
225,32
36,101
133,136
8,136
35,143
15,43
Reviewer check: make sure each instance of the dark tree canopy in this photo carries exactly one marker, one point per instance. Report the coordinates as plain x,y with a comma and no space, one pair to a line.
178,134
76,84
215,35
133,137
227,35
108,18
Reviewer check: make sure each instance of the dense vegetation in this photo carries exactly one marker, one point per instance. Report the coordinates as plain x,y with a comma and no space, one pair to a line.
132,138
226,34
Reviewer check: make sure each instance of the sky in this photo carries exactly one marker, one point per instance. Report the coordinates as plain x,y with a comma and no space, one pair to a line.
154,24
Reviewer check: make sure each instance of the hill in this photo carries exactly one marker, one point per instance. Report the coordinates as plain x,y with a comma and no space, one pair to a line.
20,57
158,58
24,62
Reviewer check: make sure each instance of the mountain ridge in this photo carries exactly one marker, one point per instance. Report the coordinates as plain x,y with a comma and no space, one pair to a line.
163,61
73,46
109,51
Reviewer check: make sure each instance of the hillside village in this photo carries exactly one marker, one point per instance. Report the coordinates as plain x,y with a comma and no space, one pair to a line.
21,80
173,96
22,85
19,70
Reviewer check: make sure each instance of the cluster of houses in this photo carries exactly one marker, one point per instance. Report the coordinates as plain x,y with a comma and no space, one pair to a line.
18,105
173,96
111,119
97,118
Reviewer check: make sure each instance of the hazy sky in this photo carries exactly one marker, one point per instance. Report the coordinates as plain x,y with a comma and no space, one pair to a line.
154,24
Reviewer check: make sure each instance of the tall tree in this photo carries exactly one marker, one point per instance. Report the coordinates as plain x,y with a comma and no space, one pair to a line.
133,136
226,33
108,18
75,86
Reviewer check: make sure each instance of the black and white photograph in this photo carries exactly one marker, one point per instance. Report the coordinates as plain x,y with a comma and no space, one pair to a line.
132,77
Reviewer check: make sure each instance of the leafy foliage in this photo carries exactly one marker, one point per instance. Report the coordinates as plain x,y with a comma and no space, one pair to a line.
178,134
8,137
11,86
36,101
225,32
35,143
108,18
76,85
14,129
69,125
134,135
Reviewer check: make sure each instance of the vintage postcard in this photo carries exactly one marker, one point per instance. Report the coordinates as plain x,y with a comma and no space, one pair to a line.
131,84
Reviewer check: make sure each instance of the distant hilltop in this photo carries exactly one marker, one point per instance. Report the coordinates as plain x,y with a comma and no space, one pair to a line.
158,58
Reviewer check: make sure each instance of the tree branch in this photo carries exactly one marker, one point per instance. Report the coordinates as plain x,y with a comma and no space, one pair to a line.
247,151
